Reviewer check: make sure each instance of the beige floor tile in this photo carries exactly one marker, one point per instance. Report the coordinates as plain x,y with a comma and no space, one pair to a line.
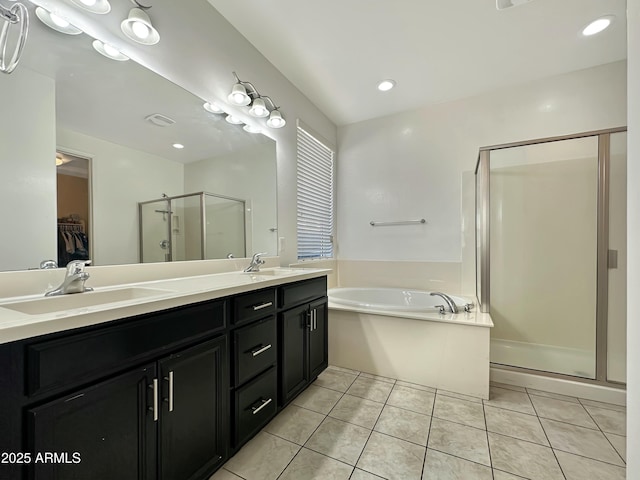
335,380
362,475
377,377
619,443
459,440
557,396
523,458
460,411
419,401
370,389
340,440
295,424
609,421
342,369
510,399
318,399
223,474
404,424
581,441
309,465
580,468
562,411
460,396
392,458
515,424
500,475
440,466
357,410
515,388
609,406
416,386
264,457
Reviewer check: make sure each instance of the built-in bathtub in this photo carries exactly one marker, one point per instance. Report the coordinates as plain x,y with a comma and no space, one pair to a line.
400,333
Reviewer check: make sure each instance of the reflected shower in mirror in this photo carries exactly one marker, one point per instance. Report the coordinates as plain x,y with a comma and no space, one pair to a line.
127,121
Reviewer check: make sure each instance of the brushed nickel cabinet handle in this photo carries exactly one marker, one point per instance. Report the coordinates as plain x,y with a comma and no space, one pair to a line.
170,399
260,307
263,403
155,399
260,350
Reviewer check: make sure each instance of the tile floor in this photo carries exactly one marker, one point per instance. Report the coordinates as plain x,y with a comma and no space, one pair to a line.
352,425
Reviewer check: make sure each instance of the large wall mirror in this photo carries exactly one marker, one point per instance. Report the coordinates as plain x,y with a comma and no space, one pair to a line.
112,126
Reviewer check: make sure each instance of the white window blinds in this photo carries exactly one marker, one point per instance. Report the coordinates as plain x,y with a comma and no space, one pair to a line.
315,198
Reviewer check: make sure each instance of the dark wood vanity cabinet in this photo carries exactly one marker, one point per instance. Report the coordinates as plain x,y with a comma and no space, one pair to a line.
162,396
303,335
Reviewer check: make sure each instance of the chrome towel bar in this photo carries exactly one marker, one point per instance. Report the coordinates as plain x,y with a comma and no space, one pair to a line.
402,222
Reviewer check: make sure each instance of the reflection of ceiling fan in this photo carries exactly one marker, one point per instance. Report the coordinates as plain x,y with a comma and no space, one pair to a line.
502,4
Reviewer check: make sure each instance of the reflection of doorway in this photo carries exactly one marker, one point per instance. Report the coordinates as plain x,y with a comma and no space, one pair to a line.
73,208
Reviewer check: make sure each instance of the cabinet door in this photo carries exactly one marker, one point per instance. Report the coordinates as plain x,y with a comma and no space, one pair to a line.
318,339
194,413
103,431
294,367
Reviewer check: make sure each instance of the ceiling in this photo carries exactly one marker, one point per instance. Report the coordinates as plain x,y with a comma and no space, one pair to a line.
336,51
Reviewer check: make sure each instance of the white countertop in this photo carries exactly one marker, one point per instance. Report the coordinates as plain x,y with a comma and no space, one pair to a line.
145,297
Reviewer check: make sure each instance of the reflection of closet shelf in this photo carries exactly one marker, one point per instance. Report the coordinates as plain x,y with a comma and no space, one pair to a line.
71,227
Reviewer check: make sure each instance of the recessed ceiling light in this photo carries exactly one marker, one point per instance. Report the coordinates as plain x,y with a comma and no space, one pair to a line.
597,25
386,85
213,107
179,146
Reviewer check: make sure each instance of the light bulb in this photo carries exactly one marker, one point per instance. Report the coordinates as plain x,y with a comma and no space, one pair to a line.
89,3
140,30
114,52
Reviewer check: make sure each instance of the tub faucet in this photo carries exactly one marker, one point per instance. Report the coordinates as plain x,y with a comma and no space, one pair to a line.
256,261
74,279
448,300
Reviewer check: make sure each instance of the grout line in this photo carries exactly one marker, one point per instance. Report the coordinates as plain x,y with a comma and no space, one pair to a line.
547,437
232,473
461,458
426,450
509,473
484,416
605,436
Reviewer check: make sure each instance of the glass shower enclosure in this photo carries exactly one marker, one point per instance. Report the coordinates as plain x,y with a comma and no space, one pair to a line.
195,226
551,254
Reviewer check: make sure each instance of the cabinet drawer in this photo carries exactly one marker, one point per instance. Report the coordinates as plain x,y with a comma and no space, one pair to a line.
77,358
254,305
255,405
299,292
255,349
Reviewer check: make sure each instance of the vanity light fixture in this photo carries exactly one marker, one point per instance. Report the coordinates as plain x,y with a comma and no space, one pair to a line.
109,51
386,85
276,120
56,22
598,25
244,93
100,7
233,120
252,129
137,26
212,107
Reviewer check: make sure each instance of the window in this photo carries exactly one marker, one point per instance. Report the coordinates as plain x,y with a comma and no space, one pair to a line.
315,197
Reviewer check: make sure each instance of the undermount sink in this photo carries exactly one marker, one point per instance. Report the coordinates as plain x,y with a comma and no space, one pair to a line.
80,300
273,272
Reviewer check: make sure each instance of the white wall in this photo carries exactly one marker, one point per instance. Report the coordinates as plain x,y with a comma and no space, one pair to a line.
121,177
27,152
633,241
410,165
227,174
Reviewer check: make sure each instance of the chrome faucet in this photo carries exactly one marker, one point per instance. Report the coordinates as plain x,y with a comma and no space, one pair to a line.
74,279
256,261
448,300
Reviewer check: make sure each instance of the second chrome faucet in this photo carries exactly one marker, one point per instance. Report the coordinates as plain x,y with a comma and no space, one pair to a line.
74,279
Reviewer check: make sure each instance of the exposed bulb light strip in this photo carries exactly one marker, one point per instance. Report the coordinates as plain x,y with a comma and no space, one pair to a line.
137,26
244,93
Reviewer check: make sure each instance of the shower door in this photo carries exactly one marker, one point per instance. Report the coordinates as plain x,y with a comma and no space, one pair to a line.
155,227
552,215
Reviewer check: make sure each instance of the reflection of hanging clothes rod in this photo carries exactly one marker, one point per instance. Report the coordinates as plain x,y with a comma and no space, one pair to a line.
403,222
